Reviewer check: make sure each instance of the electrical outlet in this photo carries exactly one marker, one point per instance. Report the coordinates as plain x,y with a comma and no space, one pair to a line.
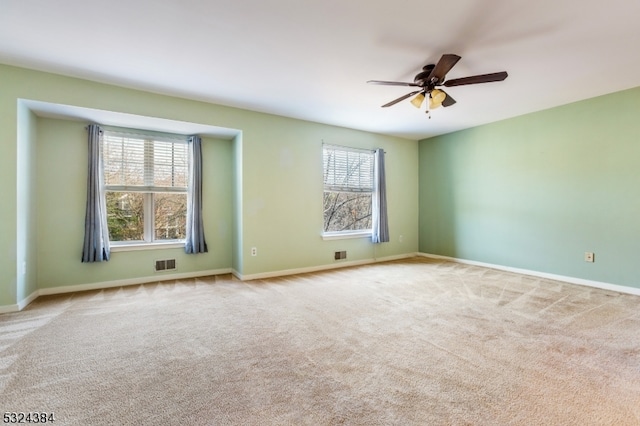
400,238
254,251
589,257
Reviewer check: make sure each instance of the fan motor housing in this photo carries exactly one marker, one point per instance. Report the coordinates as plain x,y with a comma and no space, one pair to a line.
421,78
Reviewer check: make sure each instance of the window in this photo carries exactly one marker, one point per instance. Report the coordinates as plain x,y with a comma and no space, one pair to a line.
348,189
145,187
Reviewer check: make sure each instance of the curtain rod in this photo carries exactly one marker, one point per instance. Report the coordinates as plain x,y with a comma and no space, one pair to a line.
144,133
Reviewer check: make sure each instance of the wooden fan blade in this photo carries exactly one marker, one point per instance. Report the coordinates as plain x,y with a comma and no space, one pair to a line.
401,98
392,83
448,101
443,66
475,79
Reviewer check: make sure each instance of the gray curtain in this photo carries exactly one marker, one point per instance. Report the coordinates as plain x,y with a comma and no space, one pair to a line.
380,221
96,234
195,242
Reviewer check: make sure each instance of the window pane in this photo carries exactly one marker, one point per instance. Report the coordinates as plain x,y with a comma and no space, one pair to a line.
125,216
170,164
132,161
348,170
346,211
170,216
123,160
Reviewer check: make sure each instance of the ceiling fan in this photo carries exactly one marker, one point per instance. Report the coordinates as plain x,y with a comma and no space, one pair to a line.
433,76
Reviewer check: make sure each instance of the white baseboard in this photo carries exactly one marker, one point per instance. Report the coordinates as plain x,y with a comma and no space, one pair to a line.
20,305
108,284
33,296
131,281
5,309
571,280
336,265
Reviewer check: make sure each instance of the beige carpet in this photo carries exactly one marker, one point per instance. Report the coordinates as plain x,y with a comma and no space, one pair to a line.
415,342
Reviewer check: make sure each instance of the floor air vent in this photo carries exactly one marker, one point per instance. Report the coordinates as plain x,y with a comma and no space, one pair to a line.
339,255
165,265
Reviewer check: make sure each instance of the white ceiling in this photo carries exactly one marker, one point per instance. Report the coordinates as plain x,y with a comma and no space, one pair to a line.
310,59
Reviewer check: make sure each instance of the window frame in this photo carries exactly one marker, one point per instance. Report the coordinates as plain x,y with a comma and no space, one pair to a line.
148,189
351,233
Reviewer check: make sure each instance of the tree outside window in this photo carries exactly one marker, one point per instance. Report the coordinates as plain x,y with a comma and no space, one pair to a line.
348,189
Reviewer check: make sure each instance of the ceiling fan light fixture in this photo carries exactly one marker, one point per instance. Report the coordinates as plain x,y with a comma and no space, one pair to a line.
438,95
417,101
436,98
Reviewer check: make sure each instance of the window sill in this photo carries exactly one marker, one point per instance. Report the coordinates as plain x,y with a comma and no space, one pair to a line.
146,246
345,235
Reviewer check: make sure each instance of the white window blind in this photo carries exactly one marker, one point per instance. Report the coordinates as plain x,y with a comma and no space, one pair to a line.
144,164
347,169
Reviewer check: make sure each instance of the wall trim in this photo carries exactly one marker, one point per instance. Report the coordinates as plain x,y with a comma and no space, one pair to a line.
30,298
130,281
318,268
108,284
571,280
5,309
20,305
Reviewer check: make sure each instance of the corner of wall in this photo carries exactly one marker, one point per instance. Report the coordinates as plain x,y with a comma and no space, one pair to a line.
26,219
237,260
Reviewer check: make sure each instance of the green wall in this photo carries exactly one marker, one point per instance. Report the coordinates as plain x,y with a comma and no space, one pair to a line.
264,188
282,196
537,191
